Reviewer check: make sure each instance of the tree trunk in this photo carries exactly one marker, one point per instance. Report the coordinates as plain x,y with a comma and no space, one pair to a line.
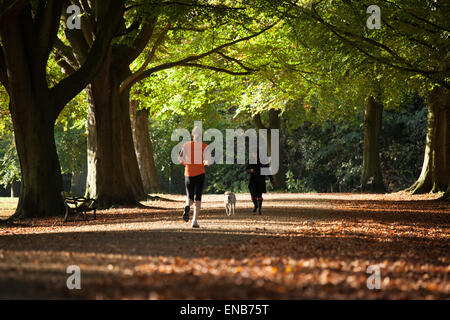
446,196
171,177
33,115
41,183
435,174
129,159
28,34
78,183
144,148
111,177
15,189
371,178
280,177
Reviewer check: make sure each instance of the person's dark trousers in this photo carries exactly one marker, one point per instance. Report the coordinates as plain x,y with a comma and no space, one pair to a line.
194,187
260,201
255,203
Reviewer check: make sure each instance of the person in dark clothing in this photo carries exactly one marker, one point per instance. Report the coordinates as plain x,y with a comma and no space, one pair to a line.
257,182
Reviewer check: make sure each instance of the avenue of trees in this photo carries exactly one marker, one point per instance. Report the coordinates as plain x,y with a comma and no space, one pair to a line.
358,108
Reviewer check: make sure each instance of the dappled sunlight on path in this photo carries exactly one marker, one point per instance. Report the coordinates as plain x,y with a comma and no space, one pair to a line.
303,246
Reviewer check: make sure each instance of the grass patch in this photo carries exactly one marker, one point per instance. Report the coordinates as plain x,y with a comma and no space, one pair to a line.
7,203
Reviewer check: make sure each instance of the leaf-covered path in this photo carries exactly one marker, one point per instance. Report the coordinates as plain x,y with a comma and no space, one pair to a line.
315,246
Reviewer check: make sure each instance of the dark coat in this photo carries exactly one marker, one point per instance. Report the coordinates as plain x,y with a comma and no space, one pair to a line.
257,182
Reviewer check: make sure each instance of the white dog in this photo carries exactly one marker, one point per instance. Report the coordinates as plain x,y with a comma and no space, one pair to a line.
230,203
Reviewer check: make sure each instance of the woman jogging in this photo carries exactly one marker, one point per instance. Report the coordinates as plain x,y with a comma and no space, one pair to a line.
257,183
192,157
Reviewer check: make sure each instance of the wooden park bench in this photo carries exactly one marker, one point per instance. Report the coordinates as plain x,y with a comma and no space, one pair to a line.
77,206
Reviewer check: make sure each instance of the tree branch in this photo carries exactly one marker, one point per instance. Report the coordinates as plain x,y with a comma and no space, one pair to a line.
110,17
408,11
11,11
238,62
68,69
47,22
88,24
66,52
149,58
191,58
258,122
407,66
3,72
176,3
78,43
127,55
233,73
87,8
372,42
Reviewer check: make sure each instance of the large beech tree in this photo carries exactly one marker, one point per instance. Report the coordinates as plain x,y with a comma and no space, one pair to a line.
144,148
435,172
113,171
28,31
413,39
371,177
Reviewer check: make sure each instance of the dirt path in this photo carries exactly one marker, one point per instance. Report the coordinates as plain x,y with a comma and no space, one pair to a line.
303,246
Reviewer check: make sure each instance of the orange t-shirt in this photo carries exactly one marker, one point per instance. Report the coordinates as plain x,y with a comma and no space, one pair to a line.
193,165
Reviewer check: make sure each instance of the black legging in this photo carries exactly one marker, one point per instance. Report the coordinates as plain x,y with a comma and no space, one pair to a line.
194,184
